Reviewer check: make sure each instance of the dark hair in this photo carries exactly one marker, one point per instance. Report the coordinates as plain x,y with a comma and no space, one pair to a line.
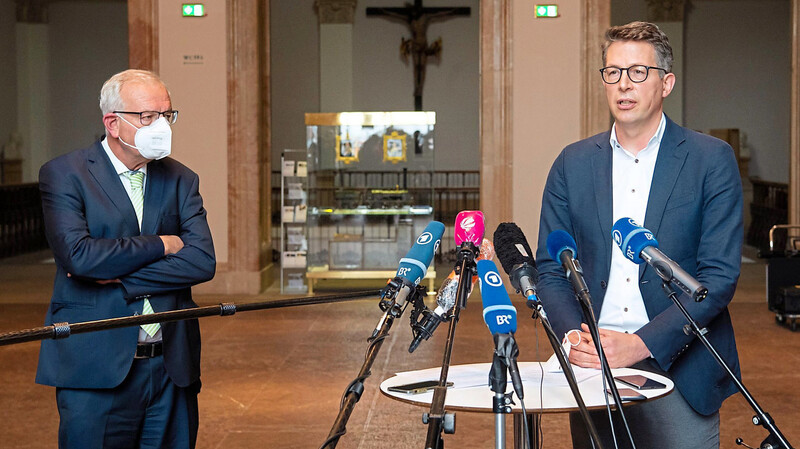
642,32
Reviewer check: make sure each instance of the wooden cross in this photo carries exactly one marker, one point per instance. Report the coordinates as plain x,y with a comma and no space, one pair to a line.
417,18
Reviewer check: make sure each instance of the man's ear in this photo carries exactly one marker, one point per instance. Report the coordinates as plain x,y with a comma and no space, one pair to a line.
668,82
111,122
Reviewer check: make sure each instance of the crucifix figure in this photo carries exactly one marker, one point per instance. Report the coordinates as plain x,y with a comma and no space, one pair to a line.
418,18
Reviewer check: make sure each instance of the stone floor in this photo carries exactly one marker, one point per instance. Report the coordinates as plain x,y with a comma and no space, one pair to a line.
274,378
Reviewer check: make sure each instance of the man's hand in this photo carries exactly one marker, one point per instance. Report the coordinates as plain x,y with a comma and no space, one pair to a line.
621,349
172,244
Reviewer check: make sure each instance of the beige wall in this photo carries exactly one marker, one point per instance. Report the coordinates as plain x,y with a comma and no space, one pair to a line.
546,102
193,63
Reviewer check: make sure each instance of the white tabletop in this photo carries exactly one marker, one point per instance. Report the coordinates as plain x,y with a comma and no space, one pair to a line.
471,392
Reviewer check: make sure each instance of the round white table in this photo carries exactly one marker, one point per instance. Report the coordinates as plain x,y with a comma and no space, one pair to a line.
470,391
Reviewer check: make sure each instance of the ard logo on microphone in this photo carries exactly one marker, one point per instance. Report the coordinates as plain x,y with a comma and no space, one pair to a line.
493,279
617,237
468,223
425,238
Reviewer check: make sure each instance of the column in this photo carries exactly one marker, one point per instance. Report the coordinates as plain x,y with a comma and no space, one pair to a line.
32,86
336,54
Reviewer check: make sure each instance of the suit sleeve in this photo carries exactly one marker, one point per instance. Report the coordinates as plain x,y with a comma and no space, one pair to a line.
554,290
193,264
717,264
68,234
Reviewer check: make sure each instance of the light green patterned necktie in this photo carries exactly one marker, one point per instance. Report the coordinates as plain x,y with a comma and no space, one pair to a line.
136,179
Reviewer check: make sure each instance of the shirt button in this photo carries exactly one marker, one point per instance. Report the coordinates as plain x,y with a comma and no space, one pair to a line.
628,280
633,190
636,161
625,309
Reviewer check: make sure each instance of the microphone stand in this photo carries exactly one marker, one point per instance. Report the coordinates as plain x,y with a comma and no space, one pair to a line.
64,329
566,367
437,420
501,403
575,275
393,302
775,440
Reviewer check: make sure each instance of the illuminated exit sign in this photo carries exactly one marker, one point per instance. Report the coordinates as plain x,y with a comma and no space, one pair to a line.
546,11
193,10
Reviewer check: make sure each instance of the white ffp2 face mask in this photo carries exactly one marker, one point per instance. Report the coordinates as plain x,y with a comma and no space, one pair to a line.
153,141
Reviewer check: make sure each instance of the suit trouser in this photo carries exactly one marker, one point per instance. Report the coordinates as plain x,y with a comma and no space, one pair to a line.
146,411
665,423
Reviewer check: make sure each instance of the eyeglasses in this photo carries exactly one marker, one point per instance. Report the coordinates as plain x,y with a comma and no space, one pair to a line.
636,73
148,117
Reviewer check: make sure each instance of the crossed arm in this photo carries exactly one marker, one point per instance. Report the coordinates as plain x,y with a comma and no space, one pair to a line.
147,264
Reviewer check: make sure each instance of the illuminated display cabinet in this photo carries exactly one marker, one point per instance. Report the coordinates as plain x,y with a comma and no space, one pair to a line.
370,188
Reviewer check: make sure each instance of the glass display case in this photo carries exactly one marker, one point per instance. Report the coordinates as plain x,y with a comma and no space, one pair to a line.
370,191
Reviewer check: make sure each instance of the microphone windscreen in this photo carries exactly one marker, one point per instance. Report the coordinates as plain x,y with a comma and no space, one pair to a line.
414,266
560,241
512,247
498,313
632,238
469,227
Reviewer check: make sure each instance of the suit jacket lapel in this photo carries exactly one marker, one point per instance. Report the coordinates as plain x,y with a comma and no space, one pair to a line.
103,172
601,173
152,198
671,157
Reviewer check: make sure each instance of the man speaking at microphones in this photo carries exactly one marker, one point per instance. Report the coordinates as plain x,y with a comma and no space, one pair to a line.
683,186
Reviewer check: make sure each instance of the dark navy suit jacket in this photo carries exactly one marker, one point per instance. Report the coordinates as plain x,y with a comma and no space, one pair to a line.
694,210
93,231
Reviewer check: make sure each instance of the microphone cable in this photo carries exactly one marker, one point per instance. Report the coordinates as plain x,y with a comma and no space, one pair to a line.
603,367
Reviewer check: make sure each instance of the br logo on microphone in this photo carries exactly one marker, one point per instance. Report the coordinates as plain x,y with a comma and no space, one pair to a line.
468,223
503,319
649,236
425,238
493,279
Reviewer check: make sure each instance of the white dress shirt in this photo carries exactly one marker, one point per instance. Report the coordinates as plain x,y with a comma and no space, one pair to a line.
623,306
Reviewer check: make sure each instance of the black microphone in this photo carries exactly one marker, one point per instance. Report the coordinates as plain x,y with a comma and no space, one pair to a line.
562,247
516,257
639,245
445,299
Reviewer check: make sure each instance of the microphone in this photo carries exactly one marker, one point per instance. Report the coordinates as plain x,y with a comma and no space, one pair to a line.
639,245
562,247
445,299
414,266
501,318
515,255
469,230
412,269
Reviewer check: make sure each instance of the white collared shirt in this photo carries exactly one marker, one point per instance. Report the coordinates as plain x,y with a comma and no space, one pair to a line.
623,306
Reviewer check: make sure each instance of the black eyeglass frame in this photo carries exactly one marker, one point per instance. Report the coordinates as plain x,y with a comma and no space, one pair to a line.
172,118
627,71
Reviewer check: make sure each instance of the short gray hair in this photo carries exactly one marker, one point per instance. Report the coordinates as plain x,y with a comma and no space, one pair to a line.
110,98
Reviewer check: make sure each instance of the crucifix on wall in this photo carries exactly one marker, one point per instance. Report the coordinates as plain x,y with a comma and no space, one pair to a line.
417,18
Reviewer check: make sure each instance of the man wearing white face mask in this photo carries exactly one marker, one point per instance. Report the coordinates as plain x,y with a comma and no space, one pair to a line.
129,234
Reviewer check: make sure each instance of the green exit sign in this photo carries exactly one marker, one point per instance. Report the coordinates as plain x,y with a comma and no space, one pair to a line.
193,10
546,11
